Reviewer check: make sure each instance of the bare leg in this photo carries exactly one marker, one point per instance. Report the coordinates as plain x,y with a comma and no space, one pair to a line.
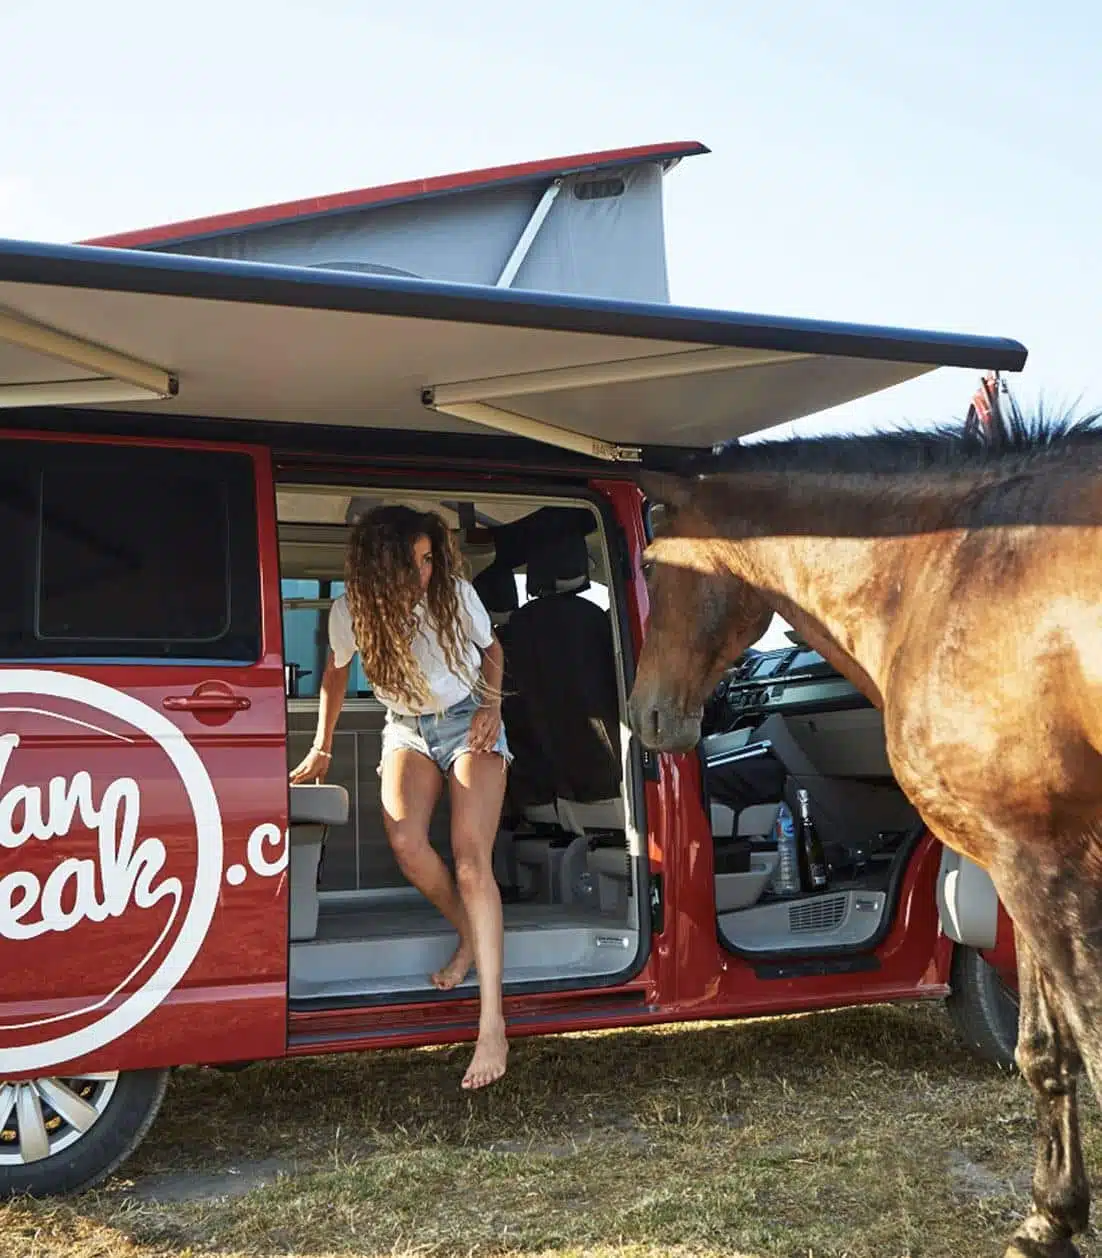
477,785
1050,1061
410,788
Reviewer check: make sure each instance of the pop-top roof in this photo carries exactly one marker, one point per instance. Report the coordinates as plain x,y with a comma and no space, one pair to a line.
398,193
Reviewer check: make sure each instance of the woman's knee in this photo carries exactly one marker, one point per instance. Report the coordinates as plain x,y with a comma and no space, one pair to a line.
473,867
407,842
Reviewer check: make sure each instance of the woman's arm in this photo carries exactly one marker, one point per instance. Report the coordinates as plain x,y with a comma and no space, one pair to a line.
493,668
334,686
487,720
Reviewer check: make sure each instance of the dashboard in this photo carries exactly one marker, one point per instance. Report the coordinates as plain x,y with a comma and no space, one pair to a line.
786,680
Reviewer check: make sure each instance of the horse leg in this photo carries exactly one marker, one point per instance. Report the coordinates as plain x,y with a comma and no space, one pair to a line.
1051,896
1049,1060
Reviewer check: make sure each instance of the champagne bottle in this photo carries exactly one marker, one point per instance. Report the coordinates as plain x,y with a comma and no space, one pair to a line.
813,866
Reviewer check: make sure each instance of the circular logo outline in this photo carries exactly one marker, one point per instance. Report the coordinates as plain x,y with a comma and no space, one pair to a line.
209,860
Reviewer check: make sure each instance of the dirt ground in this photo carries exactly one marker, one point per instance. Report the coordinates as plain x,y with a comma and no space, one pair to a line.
866,1133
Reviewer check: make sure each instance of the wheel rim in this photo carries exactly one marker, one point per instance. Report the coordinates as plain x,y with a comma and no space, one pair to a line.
41,1117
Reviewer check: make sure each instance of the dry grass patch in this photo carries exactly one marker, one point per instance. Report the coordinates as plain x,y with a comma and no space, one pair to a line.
866,1133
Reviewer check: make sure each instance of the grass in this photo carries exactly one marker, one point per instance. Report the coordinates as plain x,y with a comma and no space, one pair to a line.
865,1133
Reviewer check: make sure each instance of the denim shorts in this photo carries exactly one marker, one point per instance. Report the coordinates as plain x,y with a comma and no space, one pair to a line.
443,738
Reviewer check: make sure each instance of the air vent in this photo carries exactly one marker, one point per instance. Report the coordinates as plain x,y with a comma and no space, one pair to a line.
599,189
816,915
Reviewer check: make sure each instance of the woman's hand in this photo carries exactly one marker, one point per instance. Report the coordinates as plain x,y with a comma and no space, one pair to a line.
485,727
313,766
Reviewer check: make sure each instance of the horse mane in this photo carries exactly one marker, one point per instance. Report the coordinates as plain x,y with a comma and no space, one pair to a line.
1011,434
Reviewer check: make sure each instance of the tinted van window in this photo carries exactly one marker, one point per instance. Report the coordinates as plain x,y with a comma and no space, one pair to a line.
127,553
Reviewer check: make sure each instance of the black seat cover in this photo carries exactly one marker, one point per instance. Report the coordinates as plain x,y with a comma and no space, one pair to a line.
529,778
496,586
562,716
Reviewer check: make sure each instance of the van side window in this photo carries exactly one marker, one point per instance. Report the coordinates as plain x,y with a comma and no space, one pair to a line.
127,553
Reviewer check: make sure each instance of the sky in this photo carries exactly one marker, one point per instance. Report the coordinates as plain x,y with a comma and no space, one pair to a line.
930,165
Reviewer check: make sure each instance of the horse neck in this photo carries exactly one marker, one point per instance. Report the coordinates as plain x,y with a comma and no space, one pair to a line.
831,554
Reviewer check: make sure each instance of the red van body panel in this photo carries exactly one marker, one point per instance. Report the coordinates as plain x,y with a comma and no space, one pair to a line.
150,927
1003,957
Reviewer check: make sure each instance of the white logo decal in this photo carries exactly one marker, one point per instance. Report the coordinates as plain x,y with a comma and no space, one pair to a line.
126,874
259,862
130,871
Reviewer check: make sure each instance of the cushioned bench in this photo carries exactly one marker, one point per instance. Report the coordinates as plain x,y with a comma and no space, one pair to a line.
314,807
319,803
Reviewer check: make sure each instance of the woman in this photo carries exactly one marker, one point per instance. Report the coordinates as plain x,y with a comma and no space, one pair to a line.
427,646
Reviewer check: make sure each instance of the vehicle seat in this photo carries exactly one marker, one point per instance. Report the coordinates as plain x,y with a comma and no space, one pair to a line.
496,586
314,807
563,667
562,711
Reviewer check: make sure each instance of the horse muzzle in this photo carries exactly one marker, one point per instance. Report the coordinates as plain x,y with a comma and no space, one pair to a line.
659,729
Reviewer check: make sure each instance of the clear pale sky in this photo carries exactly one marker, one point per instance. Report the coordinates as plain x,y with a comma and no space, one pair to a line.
932,165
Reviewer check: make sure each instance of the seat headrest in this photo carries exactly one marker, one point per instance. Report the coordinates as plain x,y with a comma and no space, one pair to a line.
497,588
558,565
516,541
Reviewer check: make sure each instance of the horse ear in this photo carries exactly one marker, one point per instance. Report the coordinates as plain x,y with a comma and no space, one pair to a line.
664,487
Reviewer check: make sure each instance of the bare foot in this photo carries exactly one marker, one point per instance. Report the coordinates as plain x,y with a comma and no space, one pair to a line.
488,1063
456,970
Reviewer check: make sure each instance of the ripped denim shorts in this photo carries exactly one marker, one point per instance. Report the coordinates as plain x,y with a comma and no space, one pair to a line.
442,737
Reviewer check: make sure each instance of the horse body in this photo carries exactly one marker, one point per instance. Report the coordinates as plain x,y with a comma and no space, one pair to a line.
958,590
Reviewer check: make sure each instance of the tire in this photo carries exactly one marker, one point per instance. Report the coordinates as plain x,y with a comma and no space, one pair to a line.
101,1119
983,1009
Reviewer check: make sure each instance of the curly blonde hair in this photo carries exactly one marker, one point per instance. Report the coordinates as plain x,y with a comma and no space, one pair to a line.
383,592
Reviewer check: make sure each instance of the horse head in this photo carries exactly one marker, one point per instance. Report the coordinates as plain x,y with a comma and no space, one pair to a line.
702,617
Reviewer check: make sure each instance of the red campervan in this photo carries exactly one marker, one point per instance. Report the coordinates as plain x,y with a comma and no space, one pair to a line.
185,443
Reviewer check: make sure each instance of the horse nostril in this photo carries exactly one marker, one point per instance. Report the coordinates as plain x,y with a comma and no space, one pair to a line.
646,721
654,724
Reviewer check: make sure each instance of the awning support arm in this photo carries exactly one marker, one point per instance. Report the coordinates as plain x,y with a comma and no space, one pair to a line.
470,399
112,376
535,430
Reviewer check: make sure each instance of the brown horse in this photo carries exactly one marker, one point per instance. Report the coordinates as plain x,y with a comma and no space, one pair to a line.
954,578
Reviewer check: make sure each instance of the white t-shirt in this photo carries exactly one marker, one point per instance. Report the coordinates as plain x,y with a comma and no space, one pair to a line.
445,688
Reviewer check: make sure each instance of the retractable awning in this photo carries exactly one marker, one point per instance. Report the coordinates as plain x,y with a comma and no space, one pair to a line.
167,334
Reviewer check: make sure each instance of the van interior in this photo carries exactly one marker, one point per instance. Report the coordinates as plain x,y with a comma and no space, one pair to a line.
779,722
568,852
564,851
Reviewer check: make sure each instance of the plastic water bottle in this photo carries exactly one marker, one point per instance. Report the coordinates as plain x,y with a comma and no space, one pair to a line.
786,879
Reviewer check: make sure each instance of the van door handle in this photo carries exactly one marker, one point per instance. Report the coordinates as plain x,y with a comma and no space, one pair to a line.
206,703
208,696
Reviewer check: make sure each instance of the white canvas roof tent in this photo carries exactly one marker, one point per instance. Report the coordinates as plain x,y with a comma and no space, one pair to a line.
169,335
590,224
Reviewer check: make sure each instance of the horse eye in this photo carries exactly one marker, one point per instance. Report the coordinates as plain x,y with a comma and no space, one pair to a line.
647,569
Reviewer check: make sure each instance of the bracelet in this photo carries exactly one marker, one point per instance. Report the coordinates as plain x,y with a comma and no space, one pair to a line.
322,752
